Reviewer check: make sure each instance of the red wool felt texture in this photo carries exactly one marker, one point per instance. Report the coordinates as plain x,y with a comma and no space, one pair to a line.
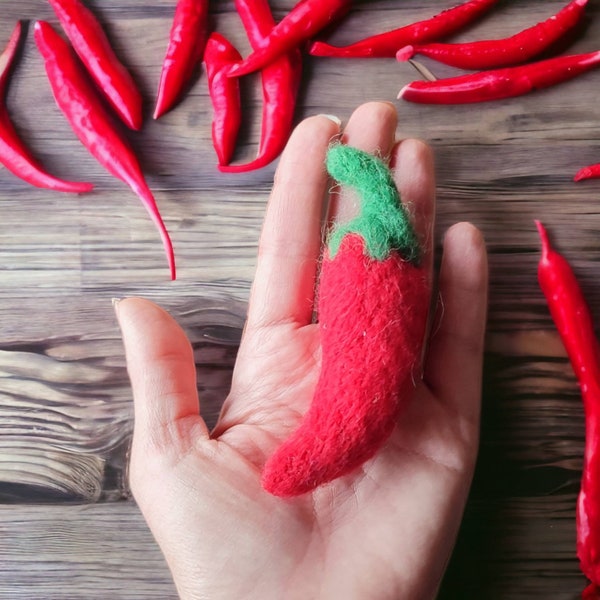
372,319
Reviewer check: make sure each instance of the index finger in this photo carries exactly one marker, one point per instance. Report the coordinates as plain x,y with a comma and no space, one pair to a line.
290,243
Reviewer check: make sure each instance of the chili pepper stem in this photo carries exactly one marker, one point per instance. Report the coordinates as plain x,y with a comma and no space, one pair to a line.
422,70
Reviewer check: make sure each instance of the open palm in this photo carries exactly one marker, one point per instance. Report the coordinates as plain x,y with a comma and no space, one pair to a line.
382,532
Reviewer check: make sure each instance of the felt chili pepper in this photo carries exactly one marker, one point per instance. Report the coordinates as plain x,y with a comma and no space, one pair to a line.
573,320
13,153
305,20
184,51
92,124
372,310
280,83
387,44
492,54
500,83
91,44
591,592
219,55
589,172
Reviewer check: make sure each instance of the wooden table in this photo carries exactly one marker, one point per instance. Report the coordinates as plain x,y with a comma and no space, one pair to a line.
68,526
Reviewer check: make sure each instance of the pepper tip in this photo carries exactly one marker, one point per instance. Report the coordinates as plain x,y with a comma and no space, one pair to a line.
233,69
320,49
159,110
544,237
402,92
585,173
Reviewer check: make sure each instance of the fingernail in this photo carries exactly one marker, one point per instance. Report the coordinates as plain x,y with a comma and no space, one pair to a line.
333,118
115,303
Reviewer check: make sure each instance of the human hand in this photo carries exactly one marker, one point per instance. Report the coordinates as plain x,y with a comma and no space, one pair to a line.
384,532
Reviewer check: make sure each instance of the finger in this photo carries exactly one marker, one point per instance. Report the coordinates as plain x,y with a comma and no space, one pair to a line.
453,369
372,128
290,243
414,173
161,367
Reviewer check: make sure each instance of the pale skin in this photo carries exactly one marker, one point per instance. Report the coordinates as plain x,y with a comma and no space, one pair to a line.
384,532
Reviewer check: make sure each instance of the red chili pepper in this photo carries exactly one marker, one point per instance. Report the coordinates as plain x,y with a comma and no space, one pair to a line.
500,83
280,83
186,46
373,304
91,44
91,123
219,55
304,21
387,44
491,54
573,320
13,153
589,172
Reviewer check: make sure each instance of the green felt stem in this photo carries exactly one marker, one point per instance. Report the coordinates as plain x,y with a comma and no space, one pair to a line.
383,221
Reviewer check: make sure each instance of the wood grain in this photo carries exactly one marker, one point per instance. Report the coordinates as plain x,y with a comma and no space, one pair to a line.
65,402
78,552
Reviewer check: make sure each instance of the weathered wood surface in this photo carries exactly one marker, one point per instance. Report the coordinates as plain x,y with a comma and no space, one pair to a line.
69,551
65,403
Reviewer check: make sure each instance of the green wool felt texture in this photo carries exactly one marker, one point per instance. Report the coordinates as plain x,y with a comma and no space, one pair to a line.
383,222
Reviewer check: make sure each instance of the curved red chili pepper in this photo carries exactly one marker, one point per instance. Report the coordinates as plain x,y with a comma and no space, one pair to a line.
186,46
219,55
13,153
91,123
573,321
385,45
303,22
280,83
373,304
500,83
492,54
91,44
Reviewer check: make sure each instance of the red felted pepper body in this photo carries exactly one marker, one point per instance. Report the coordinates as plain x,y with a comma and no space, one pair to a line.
372,316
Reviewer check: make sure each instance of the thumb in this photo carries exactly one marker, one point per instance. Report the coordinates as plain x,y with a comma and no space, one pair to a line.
161,367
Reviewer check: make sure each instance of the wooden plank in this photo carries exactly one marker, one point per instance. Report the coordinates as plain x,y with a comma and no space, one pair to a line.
77,552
